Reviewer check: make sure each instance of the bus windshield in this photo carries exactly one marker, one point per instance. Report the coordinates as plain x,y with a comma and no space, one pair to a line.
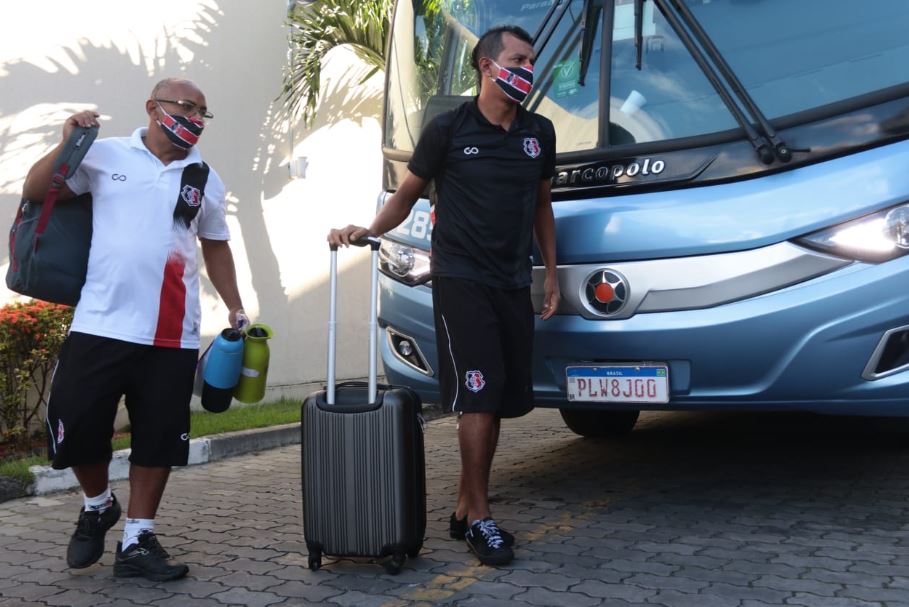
790,57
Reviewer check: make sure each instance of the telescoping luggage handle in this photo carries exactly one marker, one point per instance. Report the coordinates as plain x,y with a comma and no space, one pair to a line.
373,244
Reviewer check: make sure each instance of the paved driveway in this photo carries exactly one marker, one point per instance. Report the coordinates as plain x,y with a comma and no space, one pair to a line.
694,509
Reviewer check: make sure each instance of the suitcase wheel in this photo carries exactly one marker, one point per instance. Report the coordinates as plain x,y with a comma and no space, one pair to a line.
315,561
393,565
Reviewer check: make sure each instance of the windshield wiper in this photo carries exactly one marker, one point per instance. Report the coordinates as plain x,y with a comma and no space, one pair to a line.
564,4
638,32
761,145
591,13
592,10
782,152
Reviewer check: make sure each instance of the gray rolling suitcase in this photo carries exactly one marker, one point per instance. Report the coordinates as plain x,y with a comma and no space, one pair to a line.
364,475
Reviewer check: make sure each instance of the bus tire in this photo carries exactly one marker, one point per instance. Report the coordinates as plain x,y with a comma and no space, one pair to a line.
600,424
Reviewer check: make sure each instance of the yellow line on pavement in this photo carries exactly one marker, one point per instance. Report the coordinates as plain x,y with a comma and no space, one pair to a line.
445,586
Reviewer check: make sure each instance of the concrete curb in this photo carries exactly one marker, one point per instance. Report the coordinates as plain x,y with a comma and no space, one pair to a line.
201,451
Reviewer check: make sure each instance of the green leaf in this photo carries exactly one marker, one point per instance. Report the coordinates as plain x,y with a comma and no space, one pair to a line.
320,26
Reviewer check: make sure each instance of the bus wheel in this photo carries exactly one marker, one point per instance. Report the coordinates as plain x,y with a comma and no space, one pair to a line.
599,424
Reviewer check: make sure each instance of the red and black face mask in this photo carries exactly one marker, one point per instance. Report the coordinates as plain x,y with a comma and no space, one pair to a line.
516,82
182,131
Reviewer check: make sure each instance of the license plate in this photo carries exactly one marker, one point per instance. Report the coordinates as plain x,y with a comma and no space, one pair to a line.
627,383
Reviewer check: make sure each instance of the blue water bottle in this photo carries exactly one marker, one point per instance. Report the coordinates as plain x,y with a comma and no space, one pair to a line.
222,363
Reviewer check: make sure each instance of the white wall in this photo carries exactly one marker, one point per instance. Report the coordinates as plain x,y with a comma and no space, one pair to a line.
59,56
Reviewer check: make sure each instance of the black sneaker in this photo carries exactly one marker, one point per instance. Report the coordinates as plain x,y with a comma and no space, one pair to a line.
457,529
87,543
485,540
148,559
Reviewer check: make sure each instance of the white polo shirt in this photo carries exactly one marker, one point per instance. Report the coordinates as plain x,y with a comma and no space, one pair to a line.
143,275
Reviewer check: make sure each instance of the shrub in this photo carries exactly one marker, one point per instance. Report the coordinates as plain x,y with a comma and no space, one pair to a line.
31,334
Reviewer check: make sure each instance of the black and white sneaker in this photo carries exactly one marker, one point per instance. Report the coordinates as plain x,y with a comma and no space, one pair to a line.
457,530
485,540
148,559
87,543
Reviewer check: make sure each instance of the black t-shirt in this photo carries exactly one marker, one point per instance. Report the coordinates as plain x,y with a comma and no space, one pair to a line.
487,183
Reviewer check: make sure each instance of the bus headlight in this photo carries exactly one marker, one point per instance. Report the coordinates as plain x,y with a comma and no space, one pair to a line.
874,238
402,262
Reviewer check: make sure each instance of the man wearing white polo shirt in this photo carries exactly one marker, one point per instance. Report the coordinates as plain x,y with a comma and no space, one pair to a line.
135,330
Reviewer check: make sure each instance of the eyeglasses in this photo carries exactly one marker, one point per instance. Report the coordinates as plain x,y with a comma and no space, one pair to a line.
188,107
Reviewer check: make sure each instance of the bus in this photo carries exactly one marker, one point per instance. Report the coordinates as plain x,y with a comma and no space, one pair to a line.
731,201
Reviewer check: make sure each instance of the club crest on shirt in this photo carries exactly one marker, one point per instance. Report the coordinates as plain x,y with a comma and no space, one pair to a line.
193,197
532,147
474,381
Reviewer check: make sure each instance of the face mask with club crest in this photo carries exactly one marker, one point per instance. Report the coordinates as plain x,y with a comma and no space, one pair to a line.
182,131
516,82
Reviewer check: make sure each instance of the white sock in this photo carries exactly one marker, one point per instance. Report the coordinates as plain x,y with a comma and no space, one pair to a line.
133,528
99,503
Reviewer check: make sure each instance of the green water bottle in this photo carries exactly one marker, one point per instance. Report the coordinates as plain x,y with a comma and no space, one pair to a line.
251,387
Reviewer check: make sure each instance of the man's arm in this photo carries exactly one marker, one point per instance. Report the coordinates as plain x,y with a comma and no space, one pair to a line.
544,229
392,213
219,262
38,180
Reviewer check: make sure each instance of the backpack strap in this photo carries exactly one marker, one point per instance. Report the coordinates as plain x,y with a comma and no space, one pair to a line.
192,190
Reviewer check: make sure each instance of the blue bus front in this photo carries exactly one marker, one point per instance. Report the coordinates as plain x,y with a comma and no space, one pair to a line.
732,202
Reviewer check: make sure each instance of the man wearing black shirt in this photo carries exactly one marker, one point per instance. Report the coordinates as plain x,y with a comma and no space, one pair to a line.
492,162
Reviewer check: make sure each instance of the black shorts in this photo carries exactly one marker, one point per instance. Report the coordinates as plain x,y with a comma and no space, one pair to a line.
484,337
92,374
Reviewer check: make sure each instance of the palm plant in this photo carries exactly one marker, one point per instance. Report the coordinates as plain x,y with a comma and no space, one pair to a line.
318,26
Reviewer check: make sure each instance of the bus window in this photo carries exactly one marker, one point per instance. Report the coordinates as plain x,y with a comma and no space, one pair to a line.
669,97
430,72
790,56
430,67
796,56
572,107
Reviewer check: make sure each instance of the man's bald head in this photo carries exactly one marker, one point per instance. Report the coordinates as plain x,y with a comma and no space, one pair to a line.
170,84
172,90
